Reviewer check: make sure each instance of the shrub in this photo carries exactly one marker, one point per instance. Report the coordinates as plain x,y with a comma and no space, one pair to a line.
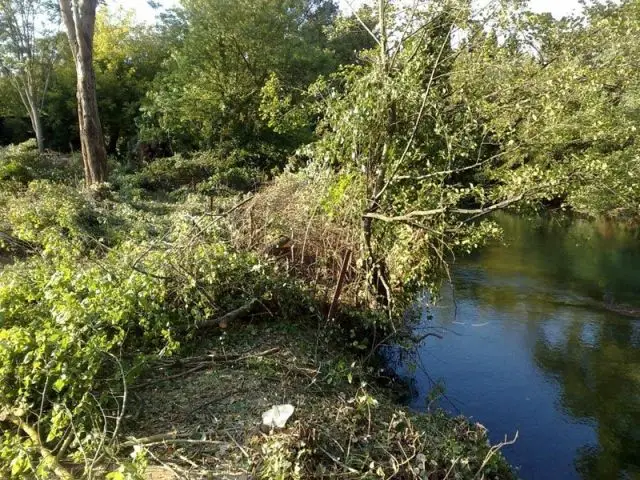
209,172
22,163
19,162
56,219
309,219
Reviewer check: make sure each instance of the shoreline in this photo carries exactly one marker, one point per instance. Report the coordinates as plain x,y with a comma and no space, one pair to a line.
347,422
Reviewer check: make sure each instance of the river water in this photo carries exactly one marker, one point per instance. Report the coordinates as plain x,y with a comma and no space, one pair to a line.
542,337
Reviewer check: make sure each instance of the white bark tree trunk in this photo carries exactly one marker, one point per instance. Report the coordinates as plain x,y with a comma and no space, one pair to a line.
25,58
30,102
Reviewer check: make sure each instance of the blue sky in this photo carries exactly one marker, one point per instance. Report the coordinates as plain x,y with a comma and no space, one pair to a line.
557,7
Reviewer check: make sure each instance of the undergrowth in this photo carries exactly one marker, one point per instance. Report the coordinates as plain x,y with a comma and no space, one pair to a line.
101,296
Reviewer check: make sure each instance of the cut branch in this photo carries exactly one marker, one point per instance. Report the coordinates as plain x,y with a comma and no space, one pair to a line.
47,456
405,218
233,315
343,273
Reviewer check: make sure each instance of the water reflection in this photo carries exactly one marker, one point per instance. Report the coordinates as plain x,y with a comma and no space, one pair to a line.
535,341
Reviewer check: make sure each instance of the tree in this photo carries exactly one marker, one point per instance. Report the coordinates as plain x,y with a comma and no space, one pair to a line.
127,57
79,18
566,93
27,51
13,123
403,130
210,91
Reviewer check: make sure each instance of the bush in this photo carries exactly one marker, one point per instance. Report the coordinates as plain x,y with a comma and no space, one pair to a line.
19,162
56,219
311,221
22,163
210,172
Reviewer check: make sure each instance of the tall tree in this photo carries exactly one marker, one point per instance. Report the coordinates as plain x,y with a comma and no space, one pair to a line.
127,57
398,129
210,92
27,50
79,18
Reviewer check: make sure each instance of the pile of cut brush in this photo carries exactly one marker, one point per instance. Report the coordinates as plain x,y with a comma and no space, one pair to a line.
201,416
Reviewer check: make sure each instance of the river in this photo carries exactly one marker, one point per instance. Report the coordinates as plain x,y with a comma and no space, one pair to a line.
542,336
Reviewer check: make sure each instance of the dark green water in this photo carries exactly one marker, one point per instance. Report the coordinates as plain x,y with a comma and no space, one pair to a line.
543,338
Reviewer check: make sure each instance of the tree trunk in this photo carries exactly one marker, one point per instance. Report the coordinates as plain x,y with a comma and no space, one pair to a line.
36,124
94,154
28,97
376,265
112,147
79,18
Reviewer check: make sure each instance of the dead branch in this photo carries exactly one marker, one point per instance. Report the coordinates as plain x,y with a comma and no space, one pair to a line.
495,449
407,217
195,369
202,363
338,462
165,438
343,273
475,212
233,315
193,361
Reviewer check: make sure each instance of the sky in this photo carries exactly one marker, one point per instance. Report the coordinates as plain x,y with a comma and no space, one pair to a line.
145,13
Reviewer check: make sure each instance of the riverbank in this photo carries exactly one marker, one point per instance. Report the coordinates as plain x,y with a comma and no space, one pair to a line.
118,311
201,417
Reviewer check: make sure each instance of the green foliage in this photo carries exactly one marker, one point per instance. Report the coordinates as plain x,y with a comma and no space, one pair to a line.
417,150
405,143
109,285
22,163
560,97
209,172
27,51
127,58
60,321
19,162
210,89
518,111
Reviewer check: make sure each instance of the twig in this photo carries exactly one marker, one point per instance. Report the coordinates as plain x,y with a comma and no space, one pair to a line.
124,397
244,452
421,338
66,443
453,464
206,362
168,437
338,462
494,449
164,465
343,273
171,377
181,441
216,399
